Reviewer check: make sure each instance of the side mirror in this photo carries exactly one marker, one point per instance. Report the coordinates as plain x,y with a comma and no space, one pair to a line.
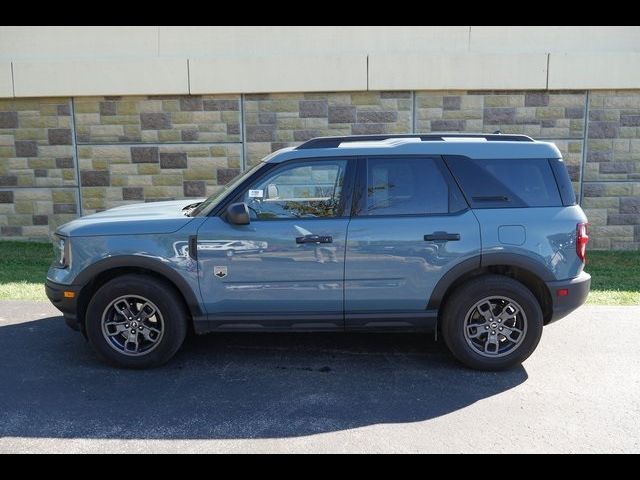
238,214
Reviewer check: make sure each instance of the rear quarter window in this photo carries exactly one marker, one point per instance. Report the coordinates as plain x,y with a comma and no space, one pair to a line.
506,183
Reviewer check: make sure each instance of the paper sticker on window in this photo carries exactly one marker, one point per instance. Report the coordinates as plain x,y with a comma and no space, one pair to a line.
256,193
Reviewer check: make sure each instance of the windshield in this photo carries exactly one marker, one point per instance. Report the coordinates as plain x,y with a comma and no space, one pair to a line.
214,199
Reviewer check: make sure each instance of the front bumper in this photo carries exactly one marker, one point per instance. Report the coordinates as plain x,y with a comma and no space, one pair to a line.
68,306
578,291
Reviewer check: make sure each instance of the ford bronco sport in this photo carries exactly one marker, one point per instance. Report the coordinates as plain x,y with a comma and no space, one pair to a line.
476,236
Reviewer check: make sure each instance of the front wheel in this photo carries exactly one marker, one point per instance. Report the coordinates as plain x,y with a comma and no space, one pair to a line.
136,321
492,323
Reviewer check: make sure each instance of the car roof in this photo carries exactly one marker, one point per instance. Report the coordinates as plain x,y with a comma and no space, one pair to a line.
477,146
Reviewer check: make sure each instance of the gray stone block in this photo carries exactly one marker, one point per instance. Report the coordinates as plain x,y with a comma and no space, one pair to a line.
8,181
225,175
26,148
377,117
8,119
195,189
95,178
66,162
221,105
191,104
617,167
189,135
6,197
155,121
447,125
498,116
133,193
64,110
173,160
451,103
342,114
304,135
536,99
594,190
630,120
369,129
40,220
630,205
65,208
108,108
603,129
11,231
260,133
145,155
60,136
314,108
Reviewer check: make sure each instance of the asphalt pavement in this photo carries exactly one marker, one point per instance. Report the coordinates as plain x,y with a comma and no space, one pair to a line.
580,392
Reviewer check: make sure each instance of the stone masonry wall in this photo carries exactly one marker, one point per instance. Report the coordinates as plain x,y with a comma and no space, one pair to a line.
60,158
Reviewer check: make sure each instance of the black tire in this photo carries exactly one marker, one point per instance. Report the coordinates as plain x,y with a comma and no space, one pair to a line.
163,296
459,304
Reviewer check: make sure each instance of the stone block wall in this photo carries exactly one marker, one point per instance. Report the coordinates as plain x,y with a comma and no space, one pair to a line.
60,158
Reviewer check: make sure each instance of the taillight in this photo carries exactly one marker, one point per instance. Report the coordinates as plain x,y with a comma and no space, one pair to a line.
582,239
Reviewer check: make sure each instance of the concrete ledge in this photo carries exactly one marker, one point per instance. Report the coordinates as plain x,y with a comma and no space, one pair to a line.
101,77
594,71
458,72
276,74
6,82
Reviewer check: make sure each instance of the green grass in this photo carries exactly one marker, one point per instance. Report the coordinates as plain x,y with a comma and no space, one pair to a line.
615,278
23,267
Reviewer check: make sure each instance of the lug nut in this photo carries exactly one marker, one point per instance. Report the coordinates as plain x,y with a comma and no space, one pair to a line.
133,332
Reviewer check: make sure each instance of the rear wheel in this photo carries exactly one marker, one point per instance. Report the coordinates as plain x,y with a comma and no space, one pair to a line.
492,323
136,321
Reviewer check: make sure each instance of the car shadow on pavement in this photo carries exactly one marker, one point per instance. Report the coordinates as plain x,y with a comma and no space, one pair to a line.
231,386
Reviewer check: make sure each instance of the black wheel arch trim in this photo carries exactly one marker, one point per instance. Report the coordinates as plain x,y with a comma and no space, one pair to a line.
486,260
85,277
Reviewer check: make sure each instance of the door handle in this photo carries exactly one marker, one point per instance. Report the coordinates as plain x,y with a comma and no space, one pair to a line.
193,247
442,237
314,239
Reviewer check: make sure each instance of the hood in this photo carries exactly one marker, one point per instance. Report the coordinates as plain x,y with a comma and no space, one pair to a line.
137,219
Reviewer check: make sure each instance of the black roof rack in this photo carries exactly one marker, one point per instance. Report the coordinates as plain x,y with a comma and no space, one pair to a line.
334,142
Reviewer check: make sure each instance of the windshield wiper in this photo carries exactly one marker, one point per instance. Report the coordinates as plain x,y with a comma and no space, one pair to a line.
188,210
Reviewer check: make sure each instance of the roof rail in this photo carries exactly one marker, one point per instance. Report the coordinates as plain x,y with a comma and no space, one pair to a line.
334,142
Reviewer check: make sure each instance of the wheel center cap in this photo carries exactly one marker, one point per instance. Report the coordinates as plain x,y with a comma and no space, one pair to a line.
494,326
134,325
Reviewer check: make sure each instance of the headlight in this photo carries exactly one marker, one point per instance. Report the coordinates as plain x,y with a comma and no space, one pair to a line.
62,252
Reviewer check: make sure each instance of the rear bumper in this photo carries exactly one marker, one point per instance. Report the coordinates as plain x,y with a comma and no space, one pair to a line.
68,306
578,290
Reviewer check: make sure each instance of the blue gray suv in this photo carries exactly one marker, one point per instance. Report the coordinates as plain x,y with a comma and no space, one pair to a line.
477,237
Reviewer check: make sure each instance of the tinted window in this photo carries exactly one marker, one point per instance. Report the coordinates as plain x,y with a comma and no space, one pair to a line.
300,190
407,186
506,183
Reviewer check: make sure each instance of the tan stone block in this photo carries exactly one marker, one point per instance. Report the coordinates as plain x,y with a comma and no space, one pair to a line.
141,181
149,169
25,104
31,134
61,196
123,120
597,217
93,203
567,100
108,131
618,190
43,208
44,163
4,221
167,180
127,108
33,231
20,220
198,151
84,106
600,145
206,117
50,109
6,140
430,113
199,173
622,101
150,106
156,192
428,101
6,209
171,105
504,101
283,105
25,180
218,151
34,194
550,112
24,207
87,119
169,136
149,136
124,169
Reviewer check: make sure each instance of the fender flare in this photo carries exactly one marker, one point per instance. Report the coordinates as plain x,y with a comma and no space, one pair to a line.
146,263
486,260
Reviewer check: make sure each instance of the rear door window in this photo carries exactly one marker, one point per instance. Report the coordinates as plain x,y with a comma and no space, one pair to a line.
504,183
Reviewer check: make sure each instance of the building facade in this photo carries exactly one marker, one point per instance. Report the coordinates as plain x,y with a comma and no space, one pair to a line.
96,117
